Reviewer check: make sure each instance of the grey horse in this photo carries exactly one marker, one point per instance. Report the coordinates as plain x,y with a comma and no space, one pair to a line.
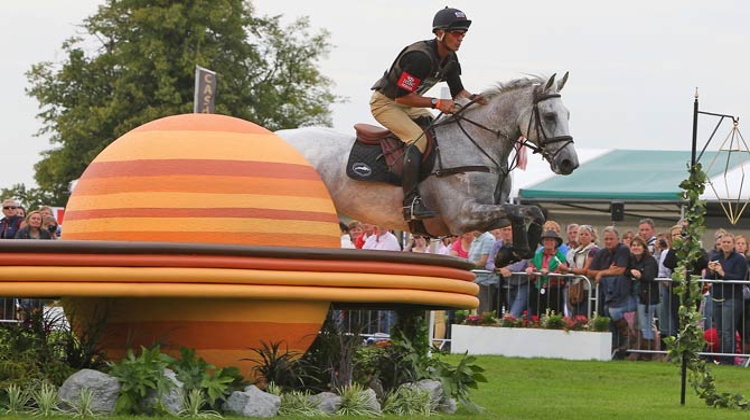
477,136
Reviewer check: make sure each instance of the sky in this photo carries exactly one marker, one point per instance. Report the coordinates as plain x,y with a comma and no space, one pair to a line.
634,66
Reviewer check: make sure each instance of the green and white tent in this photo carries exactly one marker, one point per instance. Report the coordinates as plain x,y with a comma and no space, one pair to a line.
647,182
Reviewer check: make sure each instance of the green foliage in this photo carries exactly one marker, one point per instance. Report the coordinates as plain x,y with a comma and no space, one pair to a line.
46,349
30,198
135,61
409,401
282,367
193,403
139,374
298,403
461,315
458,380
355,402
690,341
411,328
329,362
553,321
45,400
18,400
600,323
196,374
489,318
83,407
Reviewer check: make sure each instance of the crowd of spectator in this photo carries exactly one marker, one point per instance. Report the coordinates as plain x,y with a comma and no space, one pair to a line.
629,271
17,223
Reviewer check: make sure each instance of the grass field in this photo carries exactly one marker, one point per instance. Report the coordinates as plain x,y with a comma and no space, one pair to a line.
557,389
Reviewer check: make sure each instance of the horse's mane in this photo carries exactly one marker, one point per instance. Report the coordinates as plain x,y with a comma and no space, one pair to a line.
515,84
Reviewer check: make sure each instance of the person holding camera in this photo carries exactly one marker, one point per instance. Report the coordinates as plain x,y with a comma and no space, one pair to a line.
727,264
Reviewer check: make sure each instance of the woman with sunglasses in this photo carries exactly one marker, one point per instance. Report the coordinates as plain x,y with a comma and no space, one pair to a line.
398,102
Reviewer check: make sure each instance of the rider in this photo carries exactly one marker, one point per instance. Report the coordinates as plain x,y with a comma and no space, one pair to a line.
397,101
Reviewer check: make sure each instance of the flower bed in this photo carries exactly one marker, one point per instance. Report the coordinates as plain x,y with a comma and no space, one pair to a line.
551,336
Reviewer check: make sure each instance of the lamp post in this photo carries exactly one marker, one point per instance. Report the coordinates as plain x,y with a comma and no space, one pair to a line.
694,159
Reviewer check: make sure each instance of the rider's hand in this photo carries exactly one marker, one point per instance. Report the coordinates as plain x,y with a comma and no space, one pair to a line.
447,106
478,97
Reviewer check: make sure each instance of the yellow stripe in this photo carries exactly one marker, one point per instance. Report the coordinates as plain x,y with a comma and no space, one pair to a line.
216,145
221,277
202,200
250,292
203,224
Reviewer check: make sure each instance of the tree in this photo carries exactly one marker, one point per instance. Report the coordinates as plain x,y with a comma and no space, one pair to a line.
29,198
143,69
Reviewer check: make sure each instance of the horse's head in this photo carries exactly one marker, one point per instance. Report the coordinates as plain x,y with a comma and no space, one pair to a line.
545,124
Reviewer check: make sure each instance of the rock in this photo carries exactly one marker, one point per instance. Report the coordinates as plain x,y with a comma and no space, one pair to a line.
434,388
447,406
252,402
105,390
328,402
170,400
372,399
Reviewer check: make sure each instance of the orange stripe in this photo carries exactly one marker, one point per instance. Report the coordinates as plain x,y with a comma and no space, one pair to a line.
199,213
199,167
214,335
196,309
203,184
405,297
203,122
261,239
211,261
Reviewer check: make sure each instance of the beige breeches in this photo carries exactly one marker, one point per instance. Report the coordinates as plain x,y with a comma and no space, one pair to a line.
399,119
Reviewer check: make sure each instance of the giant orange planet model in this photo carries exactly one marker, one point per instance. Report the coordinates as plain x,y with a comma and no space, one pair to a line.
211,232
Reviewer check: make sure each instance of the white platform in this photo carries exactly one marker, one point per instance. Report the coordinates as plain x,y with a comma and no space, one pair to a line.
530,342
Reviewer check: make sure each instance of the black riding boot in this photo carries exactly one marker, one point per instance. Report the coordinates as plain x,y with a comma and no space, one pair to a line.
414,209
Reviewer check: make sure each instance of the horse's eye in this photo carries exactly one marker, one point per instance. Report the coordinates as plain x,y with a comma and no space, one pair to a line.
550,117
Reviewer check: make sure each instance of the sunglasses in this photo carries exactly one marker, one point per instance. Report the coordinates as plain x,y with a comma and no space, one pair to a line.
457,33
9,208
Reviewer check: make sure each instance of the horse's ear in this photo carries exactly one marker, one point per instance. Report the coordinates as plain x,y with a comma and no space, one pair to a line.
562,81
550,82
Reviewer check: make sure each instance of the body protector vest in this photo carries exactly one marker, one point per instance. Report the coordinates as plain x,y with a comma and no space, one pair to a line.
387,85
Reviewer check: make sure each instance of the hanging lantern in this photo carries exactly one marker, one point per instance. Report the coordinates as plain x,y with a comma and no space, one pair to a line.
732,157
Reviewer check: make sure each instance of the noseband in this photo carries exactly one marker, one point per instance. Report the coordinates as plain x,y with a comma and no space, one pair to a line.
544,140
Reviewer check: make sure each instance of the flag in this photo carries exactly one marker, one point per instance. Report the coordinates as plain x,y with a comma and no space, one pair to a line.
205,91
522,157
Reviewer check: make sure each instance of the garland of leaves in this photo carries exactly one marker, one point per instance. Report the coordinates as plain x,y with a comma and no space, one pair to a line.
689,341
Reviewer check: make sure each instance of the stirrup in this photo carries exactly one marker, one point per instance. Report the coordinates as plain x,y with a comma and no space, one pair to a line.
408,211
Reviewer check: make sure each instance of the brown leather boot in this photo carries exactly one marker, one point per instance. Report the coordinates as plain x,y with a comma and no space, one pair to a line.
623,330
647,345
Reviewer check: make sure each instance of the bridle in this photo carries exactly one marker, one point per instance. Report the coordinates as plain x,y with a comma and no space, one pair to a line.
543,141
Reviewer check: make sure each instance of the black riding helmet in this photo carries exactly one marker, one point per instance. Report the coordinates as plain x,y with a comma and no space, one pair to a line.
450,19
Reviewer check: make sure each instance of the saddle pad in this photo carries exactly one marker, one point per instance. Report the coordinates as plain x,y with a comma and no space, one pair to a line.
367,163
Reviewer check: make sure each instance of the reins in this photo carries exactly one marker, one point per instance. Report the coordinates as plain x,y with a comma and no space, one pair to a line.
535,119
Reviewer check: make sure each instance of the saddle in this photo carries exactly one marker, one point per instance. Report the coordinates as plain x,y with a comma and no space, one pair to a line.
378,155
